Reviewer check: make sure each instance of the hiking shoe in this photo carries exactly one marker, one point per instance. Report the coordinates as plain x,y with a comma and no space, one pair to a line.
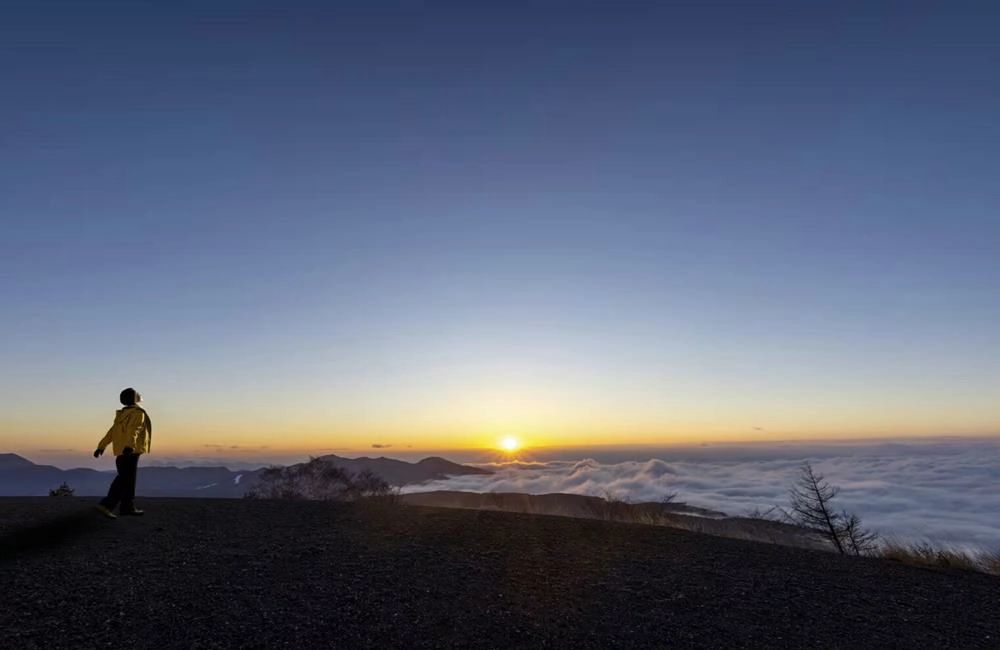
132,513
104,511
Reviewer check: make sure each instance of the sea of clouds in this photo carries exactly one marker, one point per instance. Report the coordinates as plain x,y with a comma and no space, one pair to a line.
946,491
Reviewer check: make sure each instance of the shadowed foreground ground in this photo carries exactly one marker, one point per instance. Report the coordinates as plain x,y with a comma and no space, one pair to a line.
235,573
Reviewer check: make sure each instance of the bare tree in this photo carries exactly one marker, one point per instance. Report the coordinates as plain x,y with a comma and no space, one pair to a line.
812,507
856,538
811,498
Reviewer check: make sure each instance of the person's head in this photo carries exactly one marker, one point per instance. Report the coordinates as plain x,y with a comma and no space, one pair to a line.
130,397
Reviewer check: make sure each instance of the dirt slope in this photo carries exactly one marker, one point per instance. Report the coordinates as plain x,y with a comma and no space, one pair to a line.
234,573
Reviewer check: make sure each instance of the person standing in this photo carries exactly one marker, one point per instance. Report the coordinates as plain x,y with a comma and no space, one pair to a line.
130,437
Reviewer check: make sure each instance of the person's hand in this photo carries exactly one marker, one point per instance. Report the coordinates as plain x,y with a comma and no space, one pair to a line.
98,452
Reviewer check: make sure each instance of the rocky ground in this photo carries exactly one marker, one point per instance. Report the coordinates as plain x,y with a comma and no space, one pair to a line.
199,573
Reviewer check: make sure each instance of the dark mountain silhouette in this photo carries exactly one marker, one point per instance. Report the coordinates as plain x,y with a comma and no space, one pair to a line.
21,477
28,479
398,472
13,461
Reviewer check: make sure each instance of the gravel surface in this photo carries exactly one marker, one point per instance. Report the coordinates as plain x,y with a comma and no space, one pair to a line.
197,573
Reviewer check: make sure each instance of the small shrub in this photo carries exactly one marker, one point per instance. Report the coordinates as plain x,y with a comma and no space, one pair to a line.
612,507
774,513
669,497
63,490
617,507
320,480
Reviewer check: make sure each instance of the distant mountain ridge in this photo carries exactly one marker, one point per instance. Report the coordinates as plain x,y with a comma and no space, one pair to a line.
399,473
13,461
21,477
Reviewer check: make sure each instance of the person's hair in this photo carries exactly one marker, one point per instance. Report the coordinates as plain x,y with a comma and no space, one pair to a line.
127,397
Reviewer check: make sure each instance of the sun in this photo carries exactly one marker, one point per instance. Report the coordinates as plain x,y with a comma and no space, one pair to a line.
510,444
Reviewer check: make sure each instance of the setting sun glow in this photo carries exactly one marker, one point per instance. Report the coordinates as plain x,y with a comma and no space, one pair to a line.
510,443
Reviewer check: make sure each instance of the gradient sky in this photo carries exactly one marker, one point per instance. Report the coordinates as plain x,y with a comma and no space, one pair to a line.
427,225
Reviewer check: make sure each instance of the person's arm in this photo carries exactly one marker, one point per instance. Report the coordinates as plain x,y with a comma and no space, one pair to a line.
106,440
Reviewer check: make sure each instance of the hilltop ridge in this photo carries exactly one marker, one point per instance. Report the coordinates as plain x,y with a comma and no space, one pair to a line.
238,573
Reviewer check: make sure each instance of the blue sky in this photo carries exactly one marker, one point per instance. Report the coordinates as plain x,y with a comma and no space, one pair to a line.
302,225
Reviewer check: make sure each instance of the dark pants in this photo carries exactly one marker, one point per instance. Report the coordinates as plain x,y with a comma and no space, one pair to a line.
122,490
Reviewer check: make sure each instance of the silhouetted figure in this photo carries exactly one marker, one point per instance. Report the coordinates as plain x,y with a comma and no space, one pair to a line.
130,437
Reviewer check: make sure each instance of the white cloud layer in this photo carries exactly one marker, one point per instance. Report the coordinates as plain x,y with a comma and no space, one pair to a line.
945,491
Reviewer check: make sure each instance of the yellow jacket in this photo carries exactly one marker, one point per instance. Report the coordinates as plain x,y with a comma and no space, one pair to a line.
132,428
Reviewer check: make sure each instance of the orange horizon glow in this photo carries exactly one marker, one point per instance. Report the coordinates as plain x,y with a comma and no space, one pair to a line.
488,445
252,429
80,454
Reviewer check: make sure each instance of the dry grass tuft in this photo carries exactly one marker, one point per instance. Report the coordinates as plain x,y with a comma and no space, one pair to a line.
991,562
926,554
